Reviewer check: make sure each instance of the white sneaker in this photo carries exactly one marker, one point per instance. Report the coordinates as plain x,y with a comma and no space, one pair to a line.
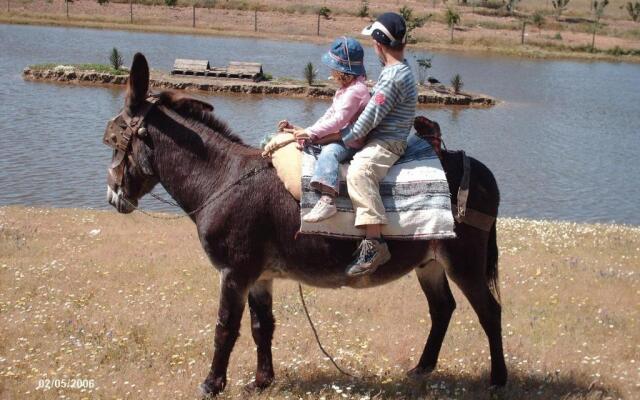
321,211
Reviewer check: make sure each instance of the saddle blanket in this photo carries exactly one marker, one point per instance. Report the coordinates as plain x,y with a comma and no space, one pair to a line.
415,194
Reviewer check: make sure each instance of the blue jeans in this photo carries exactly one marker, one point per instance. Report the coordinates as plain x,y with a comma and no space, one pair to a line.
327,168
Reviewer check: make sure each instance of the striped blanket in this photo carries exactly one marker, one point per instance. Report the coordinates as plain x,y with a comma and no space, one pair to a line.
415,194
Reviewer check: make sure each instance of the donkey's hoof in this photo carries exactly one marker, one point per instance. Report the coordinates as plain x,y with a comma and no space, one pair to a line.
256,386
209,391
419,372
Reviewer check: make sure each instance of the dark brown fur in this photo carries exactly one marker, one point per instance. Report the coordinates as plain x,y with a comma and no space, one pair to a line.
249,233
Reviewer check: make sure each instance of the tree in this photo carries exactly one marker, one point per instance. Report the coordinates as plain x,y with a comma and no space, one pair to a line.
115,59
453,18
310,73
424,64
103,2
66,3
323,12
171,3
559,6
510,5
598,7
538,20
456,83
634,11
412,21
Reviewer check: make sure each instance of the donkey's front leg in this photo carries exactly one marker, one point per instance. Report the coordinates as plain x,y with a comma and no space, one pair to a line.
262,327
233,296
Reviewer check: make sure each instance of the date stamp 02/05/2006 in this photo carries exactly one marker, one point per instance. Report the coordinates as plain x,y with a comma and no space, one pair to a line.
65,383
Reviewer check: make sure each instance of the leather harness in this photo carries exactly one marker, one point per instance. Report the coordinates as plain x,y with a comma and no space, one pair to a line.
119,132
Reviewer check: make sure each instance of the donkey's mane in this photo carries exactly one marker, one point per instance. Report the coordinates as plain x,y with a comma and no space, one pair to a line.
194,109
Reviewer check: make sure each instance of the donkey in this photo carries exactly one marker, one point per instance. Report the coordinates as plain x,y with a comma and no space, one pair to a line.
247,223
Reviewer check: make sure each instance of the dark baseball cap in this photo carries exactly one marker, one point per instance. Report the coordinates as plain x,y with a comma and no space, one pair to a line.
389,29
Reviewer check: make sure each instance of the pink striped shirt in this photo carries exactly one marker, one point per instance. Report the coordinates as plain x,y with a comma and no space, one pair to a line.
348,103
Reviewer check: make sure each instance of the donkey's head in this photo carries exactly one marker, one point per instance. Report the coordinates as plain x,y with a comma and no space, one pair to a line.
131,174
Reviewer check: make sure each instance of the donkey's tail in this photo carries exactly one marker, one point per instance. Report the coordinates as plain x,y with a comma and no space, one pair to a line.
492,263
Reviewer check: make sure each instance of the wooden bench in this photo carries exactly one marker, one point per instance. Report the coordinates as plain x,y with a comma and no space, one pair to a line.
185,66
244,70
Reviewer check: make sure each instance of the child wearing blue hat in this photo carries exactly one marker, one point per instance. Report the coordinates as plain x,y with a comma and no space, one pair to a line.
345,58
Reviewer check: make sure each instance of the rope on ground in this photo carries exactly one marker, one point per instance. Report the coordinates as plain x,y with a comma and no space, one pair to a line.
315,333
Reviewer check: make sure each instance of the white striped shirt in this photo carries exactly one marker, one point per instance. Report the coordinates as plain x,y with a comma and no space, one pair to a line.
389,114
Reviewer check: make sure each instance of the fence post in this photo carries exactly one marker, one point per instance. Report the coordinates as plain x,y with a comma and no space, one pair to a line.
67,4
255,20
524,25
194,14
318,24
131,10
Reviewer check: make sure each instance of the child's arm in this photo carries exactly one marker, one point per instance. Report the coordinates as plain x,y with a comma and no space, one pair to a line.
387,96
344,110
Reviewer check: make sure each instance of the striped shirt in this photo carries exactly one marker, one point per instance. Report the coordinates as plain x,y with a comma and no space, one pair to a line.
389,114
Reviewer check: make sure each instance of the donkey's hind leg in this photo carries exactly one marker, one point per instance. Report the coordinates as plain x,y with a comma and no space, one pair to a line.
435,286
233,296
262,327
468,269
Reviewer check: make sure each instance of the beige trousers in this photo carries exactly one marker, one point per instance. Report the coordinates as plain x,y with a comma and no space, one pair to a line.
368,167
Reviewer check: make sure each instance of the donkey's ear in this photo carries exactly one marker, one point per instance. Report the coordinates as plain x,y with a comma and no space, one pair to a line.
138,81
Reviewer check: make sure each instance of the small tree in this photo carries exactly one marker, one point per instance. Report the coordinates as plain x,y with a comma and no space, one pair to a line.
310,73
412,21
103,2
559,6
537,19
115,59
453,18
424,64
364,9
634,11
598,8
171,3
456,83
510,5
323,12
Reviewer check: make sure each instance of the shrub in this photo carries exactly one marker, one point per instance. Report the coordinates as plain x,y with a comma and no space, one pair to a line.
453,18
115,59
456,83
324,12
557,36
413,22
310,73
634,11
171,3
364,9
537,19
423,67
103,2
559,6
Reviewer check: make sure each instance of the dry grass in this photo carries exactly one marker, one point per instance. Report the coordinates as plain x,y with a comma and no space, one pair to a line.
130,302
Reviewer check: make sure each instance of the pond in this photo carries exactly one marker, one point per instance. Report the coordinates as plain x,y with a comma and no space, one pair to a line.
562,143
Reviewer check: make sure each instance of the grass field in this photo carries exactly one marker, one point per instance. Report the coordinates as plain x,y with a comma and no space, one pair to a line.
130,302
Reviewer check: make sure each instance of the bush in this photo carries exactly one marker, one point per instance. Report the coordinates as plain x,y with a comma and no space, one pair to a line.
324,12
364,9
103,2
115,59
412,21
456,83
634,10
310,73
557,36
171,3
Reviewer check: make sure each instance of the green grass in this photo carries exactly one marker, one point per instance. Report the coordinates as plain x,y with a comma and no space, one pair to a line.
103,68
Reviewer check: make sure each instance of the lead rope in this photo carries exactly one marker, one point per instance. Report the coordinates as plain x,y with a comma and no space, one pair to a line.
315,333
208,201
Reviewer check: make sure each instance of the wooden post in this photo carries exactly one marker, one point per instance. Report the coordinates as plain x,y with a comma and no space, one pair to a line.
8,5
452,25
194,14
131,10
593,39
67,3
318,24
255,20
524,25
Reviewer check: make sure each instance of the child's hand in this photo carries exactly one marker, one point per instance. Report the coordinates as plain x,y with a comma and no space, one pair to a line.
301,134
284,124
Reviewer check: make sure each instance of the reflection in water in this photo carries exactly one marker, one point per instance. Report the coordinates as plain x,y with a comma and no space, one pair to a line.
562,143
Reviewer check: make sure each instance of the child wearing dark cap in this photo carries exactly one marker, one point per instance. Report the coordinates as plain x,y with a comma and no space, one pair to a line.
384,124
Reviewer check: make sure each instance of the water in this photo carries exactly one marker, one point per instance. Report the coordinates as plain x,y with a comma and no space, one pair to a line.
563,144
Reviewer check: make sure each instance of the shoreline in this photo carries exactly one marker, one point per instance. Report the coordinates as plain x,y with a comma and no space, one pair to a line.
210,85
512,51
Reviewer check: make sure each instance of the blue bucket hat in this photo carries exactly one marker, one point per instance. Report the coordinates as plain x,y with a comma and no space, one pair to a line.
345,55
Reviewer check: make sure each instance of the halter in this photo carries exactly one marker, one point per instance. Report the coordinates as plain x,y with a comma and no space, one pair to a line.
119,132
